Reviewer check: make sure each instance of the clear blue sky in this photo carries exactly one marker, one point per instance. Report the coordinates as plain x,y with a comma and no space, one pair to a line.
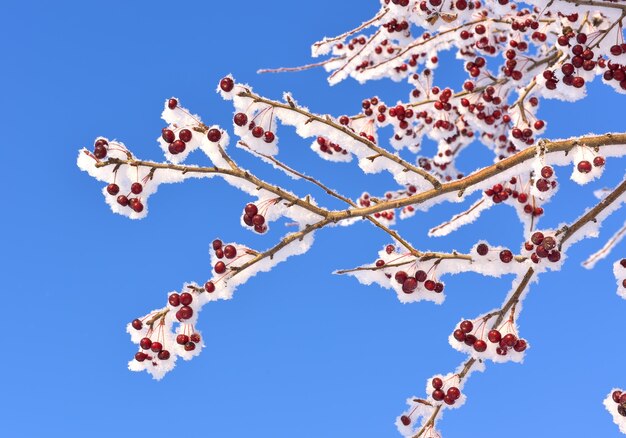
298,352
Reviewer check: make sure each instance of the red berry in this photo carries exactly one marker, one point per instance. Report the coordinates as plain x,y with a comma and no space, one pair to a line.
437,383
466,326
454,393
268,136
584,166
509,340
156,347
616,395
178,147
217,244
438,394
409,285
186,298
182,339
136,188
506,256
140,356
209,287
520,345
168,135
598,161
145,343
494,336
137,324
230,252
459,335
195,337
240,119
405,420
164,355
190,346
122,200
172,103
480,345
185,312
113,189
227,84
174,299
220,267
214,135
185,135
482,249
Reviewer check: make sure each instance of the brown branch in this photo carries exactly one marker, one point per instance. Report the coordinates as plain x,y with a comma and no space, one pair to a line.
549,147
598,4
236,172
333,193
514,299
301,67
299,235
365,25
313,117
592,214
606,248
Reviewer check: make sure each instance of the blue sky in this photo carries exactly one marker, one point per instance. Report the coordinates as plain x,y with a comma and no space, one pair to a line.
298,352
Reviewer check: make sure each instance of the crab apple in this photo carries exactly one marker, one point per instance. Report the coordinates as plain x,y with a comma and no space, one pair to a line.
137,324
459,335
172,103
509,339
438,394
268,137
177,147
113,189
584,166
174,299
122,200
598,161
482,249
136,188
409,285
185,135
214,135
437,383
182,339
480,345
185,312
145,343
186,298
209,286
240,119
616,395
164,355
454,393
520,345
227,84
230,252
168,135
220,267
494,336
506,256
405,420
195,337
190,346
156,346
140,356
466,326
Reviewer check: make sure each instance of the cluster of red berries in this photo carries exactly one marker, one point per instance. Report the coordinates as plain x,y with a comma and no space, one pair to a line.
542,247
396,26
176,145
502,192
411,283
384,46
547,181
126,200
619,397
506,256
100,148
241,119
147,344
188,341
365,201
504,343
183,300
616,72
329,147
584,166
221,251
253,218
449,397
581,56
